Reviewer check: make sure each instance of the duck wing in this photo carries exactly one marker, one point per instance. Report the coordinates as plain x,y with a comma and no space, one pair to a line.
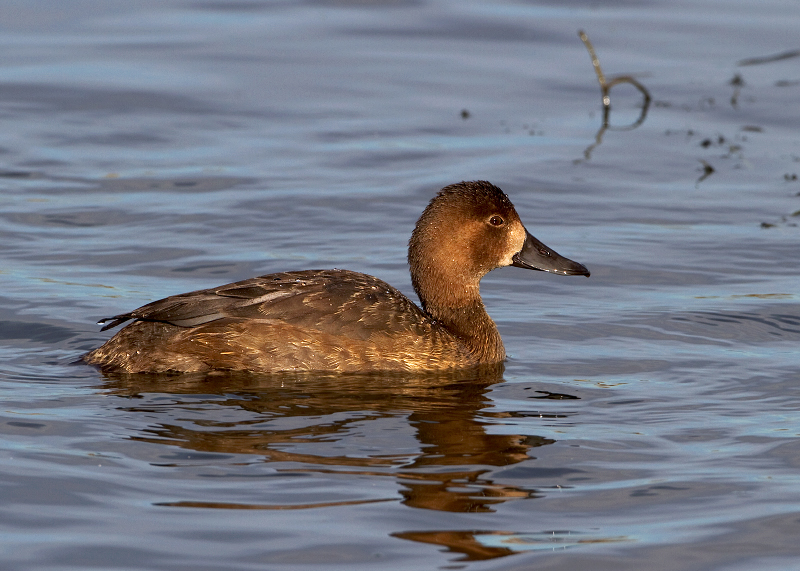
334,300
203,306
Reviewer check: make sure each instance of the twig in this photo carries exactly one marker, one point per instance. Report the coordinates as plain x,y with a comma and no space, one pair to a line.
605,88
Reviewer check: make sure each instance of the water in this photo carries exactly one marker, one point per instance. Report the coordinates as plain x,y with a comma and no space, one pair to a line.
647,416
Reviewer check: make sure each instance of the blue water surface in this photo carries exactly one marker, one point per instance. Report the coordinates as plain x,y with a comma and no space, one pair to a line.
648,417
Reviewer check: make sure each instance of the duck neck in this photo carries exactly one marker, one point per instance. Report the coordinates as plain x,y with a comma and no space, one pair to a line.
460,310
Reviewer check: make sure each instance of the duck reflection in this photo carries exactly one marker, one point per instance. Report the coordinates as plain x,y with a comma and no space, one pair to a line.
483,545
424,431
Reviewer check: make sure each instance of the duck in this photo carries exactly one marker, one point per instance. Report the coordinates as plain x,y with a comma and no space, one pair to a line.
338,320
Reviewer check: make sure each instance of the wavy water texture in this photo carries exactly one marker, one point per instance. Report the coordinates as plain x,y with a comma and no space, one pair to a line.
646,417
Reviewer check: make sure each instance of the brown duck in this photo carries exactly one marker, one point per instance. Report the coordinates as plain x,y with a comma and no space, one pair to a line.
338,320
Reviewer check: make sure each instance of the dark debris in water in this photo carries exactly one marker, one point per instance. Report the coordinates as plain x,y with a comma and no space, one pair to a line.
555,396
737,82
769,59
705,143
19,174
785,220
708,170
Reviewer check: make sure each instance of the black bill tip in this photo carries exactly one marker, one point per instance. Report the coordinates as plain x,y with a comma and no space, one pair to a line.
534,255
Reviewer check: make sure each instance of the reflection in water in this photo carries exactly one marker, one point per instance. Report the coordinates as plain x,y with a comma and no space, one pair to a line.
605,88
606,126
482,545
325,423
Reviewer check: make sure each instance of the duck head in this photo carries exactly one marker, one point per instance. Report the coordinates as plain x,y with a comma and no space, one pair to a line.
467,230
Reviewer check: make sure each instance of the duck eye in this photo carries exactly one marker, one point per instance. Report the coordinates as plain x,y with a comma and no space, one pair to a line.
496,220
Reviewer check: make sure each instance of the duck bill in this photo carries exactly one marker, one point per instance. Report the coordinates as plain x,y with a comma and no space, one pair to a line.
536,256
